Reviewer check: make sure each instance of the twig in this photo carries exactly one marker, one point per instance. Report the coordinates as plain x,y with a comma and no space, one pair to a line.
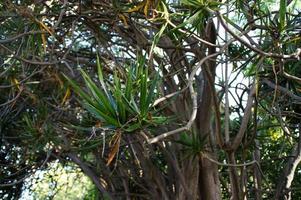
281,89
227,164
28,61
245,119
193,35
295,55
8,40
167,97
13,99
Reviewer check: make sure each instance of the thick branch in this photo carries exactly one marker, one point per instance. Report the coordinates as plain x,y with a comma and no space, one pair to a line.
245,119
283,189
90,174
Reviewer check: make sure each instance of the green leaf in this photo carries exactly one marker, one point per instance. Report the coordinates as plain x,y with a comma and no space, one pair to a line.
133,102
80,128
78,90
157,37
192,3
98,94
100,76
159,120
101,115
133,127
282,13
214,4
151,91
130,107
228,20
196,18
129,85
143,93
185,140
118,97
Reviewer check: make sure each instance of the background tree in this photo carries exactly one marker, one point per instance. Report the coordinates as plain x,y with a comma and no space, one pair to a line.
190,99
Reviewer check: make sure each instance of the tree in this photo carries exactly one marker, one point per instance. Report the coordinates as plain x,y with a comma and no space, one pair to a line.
145,96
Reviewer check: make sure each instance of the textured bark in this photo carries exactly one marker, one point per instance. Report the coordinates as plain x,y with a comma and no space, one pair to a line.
257,175
191,175
234,179
283,188
209,182
209,185
152,175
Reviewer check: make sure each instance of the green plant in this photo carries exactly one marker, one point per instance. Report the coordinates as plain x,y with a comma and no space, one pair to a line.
121,104
193,144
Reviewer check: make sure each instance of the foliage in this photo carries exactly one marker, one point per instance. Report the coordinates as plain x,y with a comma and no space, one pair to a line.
58,182
121,106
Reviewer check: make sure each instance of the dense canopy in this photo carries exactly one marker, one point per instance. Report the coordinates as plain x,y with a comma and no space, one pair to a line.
151,99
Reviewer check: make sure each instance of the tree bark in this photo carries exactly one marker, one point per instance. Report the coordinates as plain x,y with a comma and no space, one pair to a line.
234,178
257,175
209,185
283,189
90,173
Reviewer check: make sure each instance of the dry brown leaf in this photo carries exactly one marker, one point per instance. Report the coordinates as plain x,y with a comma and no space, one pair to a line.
115,142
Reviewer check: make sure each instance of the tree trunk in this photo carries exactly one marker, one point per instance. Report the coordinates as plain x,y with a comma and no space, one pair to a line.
209,185
283,188
191,175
